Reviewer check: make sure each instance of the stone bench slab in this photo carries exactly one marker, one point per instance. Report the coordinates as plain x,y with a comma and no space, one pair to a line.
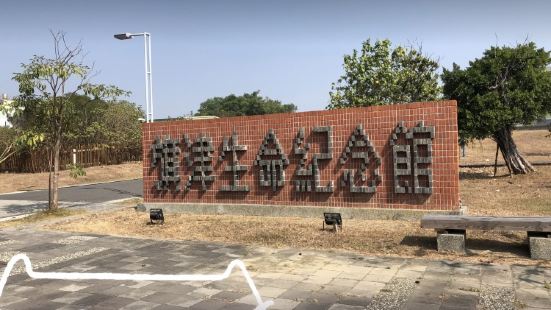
459,222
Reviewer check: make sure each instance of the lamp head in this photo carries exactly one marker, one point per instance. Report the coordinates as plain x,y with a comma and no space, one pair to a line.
123,36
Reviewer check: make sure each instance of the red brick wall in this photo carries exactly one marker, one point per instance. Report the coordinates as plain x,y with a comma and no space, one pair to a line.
378,122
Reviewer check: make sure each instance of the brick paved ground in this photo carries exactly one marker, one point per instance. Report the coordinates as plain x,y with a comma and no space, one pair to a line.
293,279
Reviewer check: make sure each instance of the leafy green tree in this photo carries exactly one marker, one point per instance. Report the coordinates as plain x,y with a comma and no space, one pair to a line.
121,121
84,117
379,75
46,86
505,87
247,104
96,121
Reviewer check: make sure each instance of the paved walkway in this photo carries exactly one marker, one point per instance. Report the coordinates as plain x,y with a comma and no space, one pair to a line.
18,204
99,192
292,279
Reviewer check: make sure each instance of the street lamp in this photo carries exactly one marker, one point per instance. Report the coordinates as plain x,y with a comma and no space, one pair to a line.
148,77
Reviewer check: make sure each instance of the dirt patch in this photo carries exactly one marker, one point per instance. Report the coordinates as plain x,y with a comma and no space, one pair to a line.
371,237
11,182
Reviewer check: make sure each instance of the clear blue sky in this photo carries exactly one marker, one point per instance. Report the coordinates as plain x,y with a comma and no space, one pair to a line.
290,50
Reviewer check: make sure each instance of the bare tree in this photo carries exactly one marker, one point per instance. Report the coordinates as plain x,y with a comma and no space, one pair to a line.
46,86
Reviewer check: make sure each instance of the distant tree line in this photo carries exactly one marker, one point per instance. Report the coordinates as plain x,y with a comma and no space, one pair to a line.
246,104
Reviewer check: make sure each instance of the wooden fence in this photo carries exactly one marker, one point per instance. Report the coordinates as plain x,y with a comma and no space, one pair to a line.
86,156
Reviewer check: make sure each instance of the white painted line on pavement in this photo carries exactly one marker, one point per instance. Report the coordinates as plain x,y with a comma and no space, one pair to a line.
262,305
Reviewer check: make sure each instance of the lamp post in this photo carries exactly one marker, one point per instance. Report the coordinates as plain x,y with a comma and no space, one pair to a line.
148,77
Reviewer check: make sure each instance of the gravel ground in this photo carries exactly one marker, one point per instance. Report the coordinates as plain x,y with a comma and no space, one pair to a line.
393,296
496,298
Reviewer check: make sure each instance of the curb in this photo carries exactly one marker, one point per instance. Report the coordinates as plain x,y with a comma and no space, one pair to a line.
67,186
79,205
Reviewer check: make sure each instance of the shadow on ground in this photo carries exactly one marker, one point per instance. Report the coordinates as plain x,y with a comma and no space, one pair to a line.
479,175
14,208
474,245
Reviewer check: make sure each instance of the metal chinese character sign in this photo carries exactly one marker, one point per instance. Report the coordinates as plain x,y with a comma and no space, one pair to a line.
360,147
231,146
312,171
199,160
420,138
166,156
272,162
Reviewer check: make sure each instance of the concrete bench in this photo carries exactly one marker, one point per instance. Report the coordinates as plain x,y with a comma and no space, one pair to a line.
451,231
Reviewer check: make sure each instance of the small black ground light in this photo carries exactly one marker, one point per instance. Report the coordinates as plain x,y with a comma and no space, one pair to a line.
156,216
334,219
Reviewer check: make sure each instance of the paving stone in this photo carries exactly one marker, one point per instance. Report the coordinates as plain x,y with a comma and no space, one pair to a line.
162,297
318,280
248,299
284,304
292,277
7,300
206,291
211,304
73,287
453,307
539,298
188,300
280,283
344,282
237,306
354,300
345,307
310,306
410,274
354,272
460,300
368,288
168,307
323,297
71,298
375,277
139,305
427,294
44,305
115,302
271,292
313,280
421,306
228,295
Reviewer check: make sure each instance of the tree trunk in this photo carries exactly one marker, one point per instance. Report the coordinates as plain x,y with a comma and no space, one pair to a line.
55,185
49,150
495,162
516,163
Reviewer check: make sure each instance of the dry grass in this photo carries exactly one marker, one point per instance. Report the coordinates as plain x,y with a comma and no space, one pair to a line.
506,196
42,216
372,237
520,195
532,143
11,182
